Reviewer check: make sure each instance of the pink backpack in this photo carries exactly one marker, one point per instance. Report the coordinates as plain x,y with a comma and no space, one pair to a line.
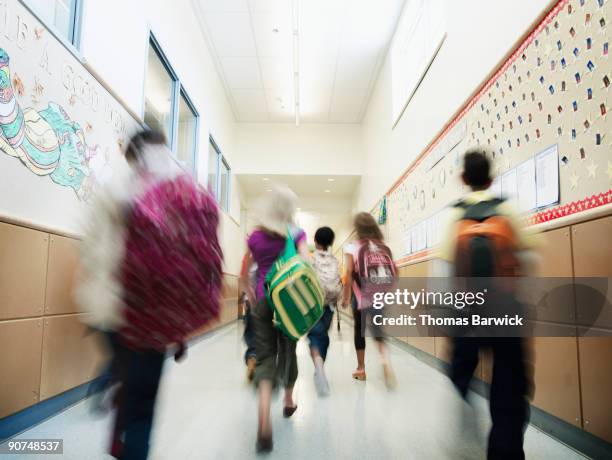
374,271
172,268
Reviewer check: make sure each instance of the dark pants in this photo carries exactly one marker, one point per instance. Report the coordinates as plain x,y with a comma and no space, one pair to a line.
136,402
249,335
276,360
509,390
359,326
318,335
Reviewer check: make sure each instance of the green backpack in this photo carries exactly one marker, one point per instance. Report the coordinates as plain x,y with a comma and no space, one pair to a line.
294,292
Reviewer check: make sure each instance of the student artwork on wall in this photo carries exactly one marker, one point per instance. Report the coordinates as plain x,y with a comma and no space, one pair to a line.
56,121
543,120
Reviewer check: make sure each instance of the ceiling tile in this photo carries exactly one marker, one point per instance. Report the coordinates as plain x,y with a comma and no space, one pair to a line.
273,35
270,6
281,106
347,105
242,73
314,104
276,73
250,104
317,71
231,34
355,70
224,5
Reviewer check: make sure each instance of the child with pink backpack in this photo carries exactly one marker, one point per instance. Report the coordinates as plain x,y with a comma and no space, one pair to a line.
368,263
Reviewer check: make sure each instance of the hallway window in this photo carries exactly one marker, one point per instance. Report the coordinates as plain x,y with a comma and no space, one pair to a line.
219,176
160,89
213,166
186,149
168,108
224,185
60,15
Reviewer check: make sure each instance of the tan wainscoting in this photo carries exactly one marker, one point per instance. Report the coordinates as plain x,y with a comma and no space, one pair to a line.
572,377
592,256
63,261
71,354
23,268
46,348
20,342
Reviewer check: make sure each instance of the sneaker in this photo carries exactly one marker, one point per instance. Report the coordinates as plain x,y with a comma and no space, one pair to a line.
390,379
251,363
321,383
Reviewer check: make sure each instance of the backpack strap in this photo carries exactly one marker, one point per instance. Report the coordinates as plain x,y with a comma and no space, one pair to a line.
480,211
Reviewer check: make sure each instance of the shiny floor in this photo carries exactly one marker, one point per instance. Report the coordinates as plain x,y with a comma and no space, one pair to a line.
206,410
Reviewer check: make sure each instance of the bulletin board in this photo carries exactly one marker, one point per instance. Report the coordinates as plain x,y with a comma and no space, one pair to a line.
543,118
61,132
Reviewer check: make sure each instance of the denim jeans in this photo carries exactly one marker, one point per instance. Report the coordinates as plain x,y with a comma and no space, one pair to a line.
318,335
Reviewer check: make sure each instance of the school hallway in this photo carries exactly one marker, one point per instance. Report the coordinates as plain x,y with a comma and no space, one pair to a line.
206,410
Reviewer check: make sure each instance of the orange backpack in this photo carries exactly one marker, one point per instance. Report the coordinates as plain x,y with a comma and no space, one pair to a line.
486,243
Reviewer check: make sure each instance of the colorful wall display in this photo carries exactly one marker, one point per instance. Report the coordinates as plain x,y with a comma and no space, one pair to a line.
543,119
56,120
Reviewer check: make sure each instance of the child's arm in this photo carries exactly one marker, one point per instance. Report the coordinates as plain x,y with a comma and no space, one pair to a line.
347,278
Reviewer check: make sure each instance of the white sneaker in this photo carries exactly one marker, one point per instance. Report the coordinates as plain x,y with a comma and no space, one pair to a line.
321,383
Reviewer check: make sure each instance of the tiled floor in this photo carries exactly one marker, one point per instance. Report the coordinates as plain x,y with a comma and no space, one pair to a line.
206,410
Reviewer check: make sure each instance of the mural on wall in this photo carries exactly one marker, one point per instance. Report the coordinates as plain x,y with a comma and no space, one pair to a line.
55,118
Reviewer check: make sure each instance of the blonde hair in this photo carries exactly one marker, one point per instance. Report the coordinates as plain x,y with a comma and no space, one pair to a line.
276,210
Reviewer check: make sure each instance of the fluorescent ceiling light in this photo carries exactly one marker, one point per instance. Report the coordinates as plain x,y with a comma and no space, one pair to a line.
328,191
331,179
265,179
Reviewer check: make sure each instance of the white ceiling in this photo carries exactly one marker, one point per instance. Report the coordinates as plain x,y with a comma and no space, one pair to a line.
315,192
342,44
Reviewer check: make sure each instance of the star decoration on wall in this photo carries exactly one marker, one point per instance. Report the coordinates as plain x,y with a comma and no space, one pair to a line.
574,181
592,168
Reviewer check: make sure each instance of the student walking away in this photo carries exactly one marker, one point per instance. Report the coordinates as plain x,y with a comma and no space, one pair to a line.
168,277
484,241
289,302
368,262
248,277
327,269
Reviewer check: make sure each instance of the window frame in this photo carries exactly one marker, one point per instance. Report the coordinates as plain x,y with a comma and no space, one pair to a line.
215,146
223,160
182,93
178,91
220,159
73,41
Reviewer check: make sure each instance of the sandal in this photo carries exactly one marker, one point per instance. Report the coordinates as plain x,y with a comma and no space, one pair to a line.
359,374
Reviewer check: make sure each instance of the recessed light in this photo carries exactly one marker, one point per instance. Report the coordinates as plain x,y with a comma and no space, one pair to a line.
265,179
331,179
328,191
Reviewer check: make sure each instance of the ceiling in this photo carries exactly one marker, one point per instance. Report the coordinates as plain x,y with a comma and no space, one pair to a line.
303,185
341,47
